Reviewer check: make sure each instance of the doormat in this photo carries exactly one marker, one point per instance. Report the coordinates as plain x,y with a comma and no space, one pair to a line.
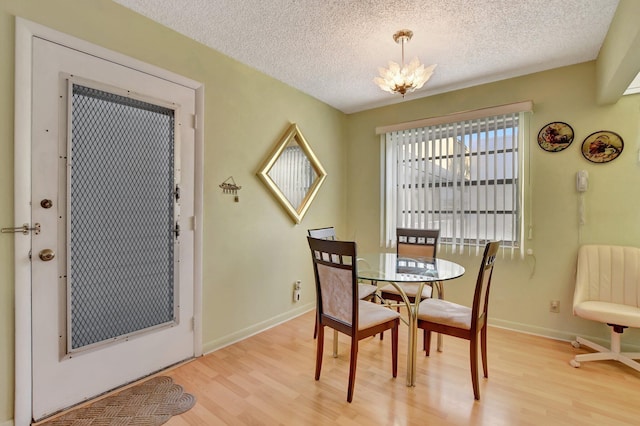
150,403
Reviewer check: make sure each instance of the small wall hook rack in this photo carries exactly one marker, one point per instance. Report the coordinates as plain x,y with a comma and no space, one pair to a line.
229,186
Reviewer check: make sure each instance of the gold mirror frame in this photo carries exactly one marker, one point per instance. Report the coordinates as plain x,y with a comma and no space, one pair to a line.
293,137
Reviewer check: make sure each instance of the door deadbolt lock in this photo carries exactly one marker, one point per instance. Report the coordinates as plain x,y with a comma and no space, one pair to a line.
46,204
24,229
46,255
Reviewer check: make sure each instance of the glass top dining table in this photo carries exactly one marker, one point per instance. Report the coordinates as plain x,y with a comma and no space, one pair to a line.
388,267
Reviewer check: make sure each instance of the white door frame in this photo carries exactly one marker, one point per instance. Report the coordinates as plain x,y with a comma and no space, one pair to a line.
25,32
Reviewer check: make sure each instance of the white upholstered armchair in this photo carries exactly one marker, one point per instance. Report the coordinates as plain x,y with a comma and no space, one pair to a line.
608,291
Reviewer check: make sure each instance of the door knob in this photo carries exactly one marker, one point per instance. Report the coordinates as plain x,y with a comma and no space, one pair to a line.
46,255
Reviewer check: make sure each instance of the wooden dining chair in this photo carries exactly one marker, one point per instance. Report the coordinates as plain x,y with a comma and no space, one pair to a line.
412,243
340,308
366,291
468,323
326,233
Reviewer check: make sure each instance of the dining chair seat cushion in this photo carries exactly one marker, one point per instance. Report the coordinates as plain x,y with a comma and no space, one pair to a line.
410,289
607,312
446,313
366,290
371,314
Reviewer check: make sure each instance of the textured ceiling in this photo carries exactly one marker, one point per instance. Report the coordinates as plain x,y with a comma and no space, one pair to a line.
332,49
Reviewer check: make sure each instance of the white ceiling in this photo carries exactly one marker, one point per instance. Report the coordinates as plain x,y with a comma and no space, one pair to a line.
332,49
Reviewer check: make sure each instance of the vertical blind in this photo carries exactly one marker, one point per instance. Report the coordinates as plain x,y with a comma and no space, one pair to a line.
463,178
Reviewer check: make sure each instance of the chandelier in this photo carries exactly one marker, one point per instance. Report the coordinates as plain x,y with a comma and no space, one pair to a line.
405,78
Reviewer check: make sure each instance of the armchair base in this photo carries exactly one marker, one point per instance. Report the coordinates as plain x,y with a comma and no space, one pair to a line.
602,354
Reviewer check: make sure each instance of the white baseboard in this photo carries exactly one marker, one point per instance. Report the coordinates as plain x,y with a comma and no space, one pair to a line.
532,329
556,334
509,325
230,339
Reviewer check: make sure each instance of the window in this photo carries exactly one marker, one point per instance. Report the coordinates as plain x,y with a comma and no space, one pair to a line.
461,174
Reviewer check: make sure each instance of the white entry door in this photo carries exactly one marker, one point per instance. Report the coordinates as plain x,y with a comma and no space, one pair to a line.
113,196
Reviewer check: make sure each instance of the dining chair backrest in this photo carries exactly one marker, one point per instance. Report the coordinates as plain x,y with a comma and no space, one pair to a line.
339,306
328,233
417,242
335,274
440,316
483,285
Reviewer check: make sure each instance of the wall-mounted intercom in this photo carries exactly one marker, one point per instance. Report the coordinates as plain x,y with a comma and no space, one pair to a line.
582,184
582,181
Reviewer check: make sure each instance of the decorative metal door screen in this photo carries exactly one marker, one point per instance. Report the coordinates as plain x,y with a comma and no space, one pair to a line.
121,217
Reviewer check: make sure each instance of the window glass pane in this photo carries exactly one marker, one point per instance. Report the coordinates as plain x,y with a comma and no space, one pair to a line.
461,178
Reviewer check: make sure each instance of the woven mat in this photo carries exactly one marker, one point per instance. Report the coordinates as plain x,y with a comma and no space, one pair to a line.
150,403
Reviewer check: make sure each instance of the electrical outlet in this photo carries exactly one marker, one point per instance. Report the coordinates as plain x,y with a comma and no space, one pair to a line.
554,306
296,291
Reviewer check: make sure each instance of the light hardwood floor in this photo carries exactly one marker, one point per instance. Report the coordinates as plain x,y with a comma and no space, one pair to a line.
268,379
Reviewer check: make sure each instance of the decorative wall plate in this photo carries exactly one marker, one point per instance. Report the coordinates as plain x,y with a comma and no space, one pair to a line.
555,136
602,146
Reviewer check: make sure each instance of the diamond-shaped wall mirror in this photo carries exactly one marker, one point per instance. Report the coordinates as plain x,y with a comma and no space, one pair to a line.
293,173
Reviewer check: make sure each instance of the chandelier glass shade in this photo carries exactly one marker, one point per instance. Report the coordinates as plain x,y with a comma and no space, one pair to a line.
403,78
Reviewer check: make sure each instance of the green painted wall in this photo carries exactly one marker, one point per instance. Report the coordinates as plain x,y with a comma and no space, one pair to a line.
523,288
619,60
246,112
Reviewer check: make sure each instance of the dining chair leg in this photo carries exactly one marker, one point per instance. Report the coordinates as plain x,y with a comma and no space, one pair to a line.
320,348
427,342
394,349
352,367
483,350
382,332
335,343
473,357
